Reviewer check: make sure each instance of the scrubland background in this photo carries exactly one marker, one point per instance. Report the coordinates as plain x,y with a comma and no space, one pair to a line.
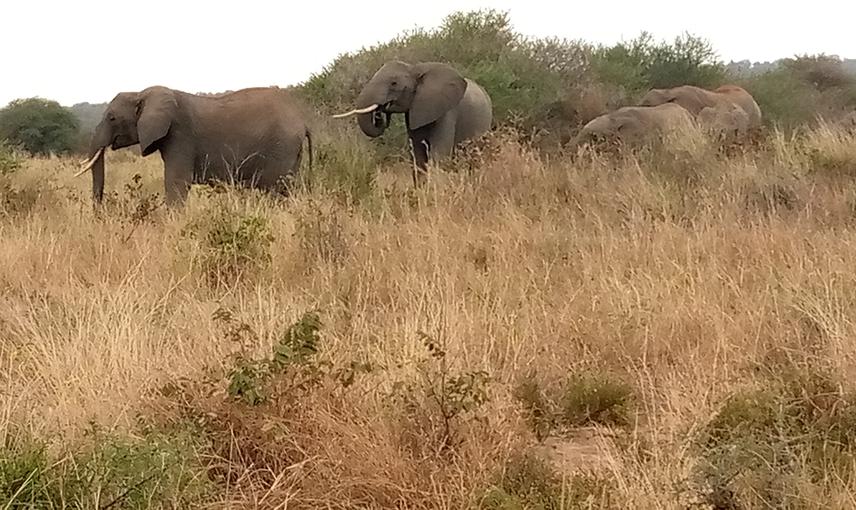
671,327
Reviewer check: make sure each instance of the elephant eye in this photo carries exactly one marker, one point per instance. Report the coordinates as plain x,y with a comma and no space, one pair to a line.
111,117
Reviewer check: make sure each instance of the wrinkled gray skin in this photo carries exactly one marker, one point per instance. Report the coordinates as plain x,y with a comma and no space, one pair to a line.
695,99
253,137
636,124
441,108
728,123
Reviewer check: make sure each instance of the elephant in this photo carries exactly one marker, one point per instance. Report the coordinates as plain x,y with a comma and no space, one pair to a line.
695,99
251,136
728,123
441,108
637,124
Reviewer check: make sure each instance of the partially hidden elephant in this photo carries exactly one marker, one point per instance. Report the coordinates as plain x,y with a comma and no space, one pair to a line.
441,108
634,125
728,123
695,99
253,137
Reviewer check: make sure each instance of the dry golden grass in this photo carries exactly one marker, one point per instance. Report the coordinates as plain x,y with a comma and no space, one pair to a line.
679,276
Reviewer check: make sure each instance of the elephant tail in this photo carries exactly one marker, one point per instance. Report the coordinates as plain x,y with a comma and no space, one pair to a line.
309,147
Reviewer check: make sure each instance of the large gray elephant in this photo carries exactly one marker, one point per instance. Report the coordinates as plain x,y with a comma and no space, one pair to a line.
253,137
695,99
441,108
637,125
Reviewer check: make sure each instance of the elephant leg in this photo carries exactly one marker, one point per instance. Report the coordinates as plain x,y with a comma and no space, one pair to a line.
431,143
274,175
178,176
419,151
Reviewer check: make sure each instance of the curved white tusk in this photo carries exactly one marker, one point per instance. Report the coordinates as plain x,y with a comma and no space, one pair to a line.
87,165
367,109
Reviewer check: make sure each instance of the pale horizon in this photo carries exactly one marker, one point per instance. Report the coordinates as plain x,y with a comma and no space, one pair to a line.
51,50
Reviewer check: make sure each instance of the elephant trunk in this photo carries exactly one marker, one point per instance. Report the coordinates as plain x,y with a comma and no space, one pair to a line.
101,139
373,123
98,179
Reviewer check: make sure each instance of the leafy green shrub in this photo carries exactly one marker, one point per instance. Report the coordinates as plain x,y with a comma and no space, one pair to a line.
24,471
437,403
823,72
296,348
528,482
15,199
641,63
10,160
595,399
538,407
797,428
785,100
39,126
159,470
801,89
233,244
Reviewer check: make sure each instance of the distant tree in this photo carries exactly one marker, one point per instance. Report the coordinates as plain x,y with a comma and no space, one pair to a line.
823,72
39,126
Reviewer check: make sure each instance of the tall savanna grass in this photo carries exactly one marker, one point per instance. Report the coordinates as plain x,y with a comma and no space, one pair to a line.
524,332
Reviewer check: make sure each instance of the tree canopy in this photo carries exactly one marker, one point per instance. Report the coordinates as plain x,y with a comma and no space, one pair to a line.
39,126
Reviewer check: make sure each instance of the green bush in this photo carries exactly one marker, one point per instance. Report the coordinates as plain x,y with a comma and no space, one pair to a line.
10,160
232,244
520,75
642,63
157,471
39,126
295,350
529,482
588,399
801,89
785,100
798,427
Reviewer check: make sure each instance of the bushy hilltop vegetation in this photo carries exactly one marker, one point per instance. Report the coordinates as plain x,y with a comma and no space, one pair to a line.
554,85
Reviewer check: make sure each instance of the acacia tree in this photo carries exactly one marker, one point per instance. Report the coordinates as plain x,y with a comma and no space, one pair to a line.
39,126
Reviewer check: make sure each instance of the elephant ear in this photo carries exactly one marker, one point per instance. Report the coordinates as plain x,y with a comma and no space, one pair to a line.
156,108
439,89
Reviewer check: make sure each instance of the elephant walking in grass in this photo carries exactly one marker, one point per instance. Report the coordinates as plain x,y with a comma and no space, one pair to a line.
441,108
638,125
252,136
726,123
695,99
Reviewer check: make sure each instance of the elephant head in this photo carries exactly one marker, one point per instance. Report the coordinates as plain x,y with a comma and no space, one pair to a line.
131,118
726,122
425,92
637,124
609,128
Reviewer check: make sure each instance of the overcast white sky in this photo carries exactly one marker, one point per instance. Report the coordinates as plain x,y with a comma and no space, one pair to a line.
90,50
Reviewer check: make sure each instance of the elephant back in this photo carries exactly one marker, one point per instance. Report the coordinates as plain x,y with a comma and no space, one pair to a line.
742,98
